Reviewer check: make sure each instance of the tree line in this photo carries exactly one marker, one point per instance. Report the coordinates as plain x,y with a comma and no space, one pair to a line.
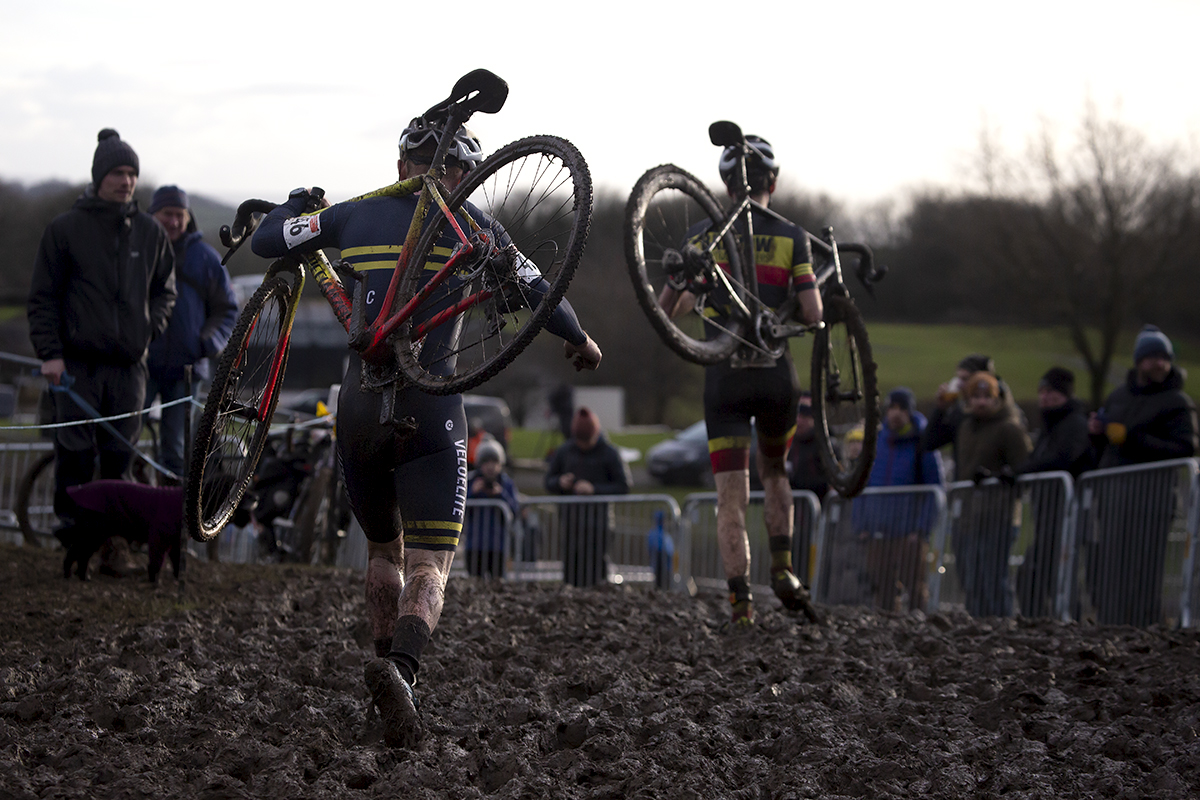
1099,234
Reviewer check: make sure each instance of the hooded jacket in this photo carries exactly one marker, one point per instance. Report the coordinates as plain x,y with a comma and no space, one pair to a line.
204,314
900,461
990,444
1159,420
103,284
1063,443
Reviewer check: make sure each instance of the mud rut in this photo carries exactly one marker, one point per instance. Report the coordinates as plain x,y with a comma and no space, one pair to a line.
249,685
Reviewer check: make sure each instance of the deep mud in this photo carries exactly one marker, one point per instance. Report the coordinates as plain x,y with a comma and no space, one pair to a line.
249,685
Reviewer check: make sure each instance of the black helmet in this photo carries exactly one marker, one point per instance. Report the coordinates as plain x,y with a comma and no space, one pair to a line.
760,160
465,148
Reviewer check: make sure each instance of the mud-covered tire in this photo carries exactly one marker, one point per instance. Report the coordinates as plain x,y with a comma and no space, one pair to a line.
233,429
845,395
666,203
539,189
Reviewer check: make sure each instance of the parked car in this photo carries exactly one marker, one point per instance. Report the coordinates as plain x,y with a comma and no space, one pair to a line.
492,413
683,460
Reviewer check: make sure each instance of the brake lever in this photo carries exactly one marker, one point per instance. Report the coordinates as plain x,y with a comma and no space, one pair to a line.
245,222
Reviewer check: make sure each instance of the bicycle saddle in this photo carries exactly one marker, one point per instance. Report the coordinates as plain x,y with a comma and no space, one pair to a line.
724,133
478,90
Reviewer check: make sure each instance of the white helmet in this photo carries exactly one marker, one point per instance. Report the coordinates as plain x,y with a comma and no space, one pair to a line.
759,160
465,148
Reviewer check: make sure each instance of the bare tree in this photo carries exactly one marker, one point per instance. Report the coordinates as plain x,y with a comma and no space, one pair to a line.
1090,233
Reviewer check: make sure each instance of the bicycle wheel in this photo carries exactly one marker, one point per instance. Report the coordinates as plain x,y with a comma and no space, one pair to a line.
233,429
667,207
845,395
35,501
479,319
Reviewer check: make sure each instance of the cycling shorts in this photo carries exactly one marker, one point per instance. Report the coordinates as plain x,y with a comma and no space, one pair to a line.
733,396
421,475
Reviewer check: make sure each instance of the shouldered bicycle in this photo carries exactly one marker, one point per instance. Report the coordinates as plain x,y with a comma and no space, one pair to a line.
728,322
524,211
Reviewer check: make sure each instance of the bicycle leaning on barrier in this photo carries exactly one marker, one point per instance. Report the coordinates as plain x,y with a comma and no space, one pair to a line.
666,205
479,303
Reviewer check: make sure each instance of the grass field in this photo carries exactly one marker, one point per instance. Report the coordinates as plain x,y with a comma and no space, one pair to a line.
924,356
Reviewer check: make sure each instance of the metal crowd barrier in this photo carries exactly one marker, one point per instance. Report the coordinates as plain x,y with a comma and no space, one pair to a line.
1133,553
583,540
883,548
700,556
1004,545
629,538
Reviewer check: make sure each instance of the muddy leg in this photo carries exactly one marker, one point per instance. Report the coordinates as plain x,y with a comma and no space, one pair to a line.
385,582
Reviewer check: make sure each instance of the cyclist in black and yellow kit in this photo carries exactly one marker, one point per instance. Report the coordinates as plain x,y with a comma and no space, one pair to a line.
407,473
752,387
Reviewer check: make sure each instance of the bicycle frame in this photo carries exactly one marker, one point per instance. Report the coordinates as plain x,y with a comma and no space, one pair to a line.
477,91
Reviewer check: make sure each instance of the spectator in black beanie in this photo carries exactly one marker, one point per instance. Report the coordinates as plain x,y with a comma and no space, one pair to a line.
1061,445
1147,418
103,286
1063,442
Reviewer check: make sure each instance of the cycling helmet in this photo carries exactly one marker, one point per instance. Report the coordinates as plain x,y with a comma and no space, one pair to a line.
466,147
760,160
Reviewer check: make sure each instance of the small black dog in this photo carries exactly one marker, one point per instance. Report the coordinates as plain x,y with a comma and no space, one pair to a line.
151,515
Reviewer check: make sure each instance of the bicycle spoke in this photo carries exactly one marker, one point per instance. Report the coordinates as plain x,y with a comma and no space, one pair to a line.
236,420
534,195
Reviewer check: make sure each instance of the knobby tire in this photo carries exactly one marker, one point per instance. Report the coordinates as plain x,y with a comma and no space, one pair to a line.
842,362
228,445
540,190
665,203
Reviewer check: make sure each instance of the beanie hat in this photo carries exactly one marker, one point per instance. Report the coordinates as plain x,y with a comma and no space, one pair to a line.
111,153
1060,380
168,197
855,434
1152,342
983,380
977,362
489,450
903,398
586,425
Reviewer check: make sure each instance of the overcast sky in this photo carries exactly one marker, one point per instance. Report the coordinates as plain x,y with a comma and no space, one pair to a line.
863,100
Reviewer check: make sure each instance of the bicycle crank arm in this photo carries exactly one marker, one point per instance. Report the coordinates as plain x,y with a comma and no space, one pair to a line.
784,330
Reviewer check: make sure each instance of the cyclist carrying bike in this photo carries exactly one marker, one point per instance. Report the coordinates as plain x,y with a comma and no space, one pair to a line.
750,387
405,473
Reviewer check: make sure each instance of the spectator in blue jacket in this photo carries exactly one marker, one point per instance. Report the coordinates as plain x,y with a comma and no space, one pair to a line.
484,529
897,526
200,325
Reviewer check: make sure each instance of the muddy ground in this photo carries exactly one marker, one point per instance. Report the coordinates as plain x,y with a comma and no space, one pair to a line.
248,684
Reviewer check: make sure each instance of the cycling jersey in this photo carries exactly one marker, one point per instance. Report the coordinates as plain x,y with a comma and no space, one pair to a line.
732,396
782,256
